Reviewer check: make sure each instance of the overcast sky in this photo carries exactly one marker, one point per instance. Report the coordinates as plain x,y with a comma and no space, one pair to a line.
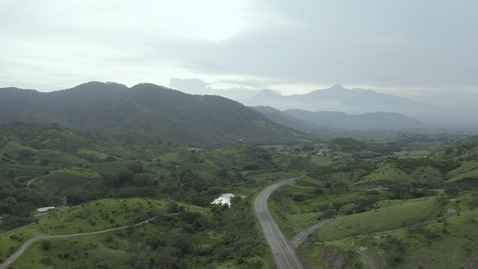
408,47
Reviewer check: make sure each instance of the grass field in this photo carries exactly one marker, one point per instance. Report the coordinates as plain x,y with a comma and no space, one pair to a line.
294,216
98,215
443,241
31,170
93,216
91,251
390,216
412,153
425,175
466,170
322,161
11,240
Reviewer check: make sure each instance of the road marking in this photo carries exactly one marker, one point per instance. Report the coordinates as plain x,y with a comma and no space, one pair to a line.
267,238
269,191
270,228
286,243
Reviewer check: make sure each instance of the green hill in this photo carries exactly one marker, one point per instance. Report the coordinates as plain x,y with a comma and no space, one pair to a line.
109,107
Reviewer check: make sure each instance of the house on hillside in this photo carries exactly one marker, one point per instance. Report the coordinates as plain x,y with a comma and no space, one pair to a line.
45,209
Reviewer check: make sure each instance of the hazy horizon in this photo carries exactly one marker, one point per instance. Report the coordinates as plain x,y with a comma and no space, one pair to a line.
423,51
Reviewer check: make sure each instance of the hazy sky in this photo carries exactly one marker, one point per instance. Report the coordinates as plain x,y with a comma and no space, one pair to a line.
408,48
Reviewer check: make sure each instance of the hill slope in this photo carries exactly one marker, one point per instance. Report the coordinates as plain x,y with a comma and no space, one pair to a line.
110,107
285,119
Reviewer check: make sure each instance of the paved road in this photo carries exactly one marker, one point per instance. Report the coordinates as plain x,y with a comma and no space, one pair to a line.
283,252
25,245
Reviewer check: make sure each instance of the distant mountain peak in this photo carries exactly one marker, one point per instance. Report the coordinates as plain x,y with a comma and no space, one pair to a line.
265,95
338,87
268,92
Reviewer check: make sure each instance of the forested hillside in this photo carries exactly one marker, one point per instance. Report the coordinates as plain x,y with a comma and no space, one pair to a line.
108,107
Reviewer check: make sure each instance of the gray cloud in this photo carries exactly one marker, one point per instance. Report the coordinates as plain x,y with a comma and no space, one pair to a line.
383,44
403,43
191,86
197,86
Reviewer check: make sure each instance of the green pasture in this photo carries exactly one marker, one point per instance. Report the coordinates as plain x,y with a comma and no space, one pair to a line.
444,241
88,251
390,216
99,215
321,161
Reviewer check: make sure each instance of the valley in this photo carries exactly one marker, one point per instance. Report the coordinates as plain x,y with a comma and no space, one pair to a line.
240,189
110,193
238,134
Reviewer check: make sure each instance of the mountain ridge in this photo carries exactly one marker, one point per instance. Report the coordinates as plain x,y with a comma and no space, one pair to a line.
199,120
359,101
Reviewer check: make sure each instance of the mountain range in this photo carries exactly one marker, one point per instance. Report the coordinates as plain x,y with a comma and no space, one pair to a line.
110,107
359,101
307,121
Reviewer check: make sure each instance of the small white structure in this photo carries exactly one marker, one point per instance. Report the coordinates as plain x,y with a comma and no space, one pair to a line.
225,198
45,209
451,211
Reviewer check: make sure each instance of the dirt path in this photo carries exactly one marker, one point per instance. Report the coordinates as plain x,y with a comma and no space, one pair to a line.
30,182
25,245
300,237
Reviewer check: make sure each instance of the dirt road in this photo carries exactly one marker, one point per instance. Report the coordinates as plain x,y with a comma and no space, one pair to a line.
25,245
300,237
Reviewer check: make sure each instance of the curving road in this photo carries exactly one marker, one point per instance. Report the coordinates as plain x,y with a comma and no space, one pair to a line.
300,237
25,245
283,252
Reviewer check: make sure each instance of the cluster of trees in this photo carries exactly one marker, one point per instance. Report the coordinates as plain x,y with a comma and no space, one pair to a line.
17,204
179,239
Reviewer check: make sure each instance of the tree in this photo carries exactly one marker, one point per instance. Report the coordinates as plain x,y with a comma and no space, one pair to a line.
23,209
11,174
452,192
401,190
198,184
44,162
110,159
136,167
173,207
111,180
46,245
255,262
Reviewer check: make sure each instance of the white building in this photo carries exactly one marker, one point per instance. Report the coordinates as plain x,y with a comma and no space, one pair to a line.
45,209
